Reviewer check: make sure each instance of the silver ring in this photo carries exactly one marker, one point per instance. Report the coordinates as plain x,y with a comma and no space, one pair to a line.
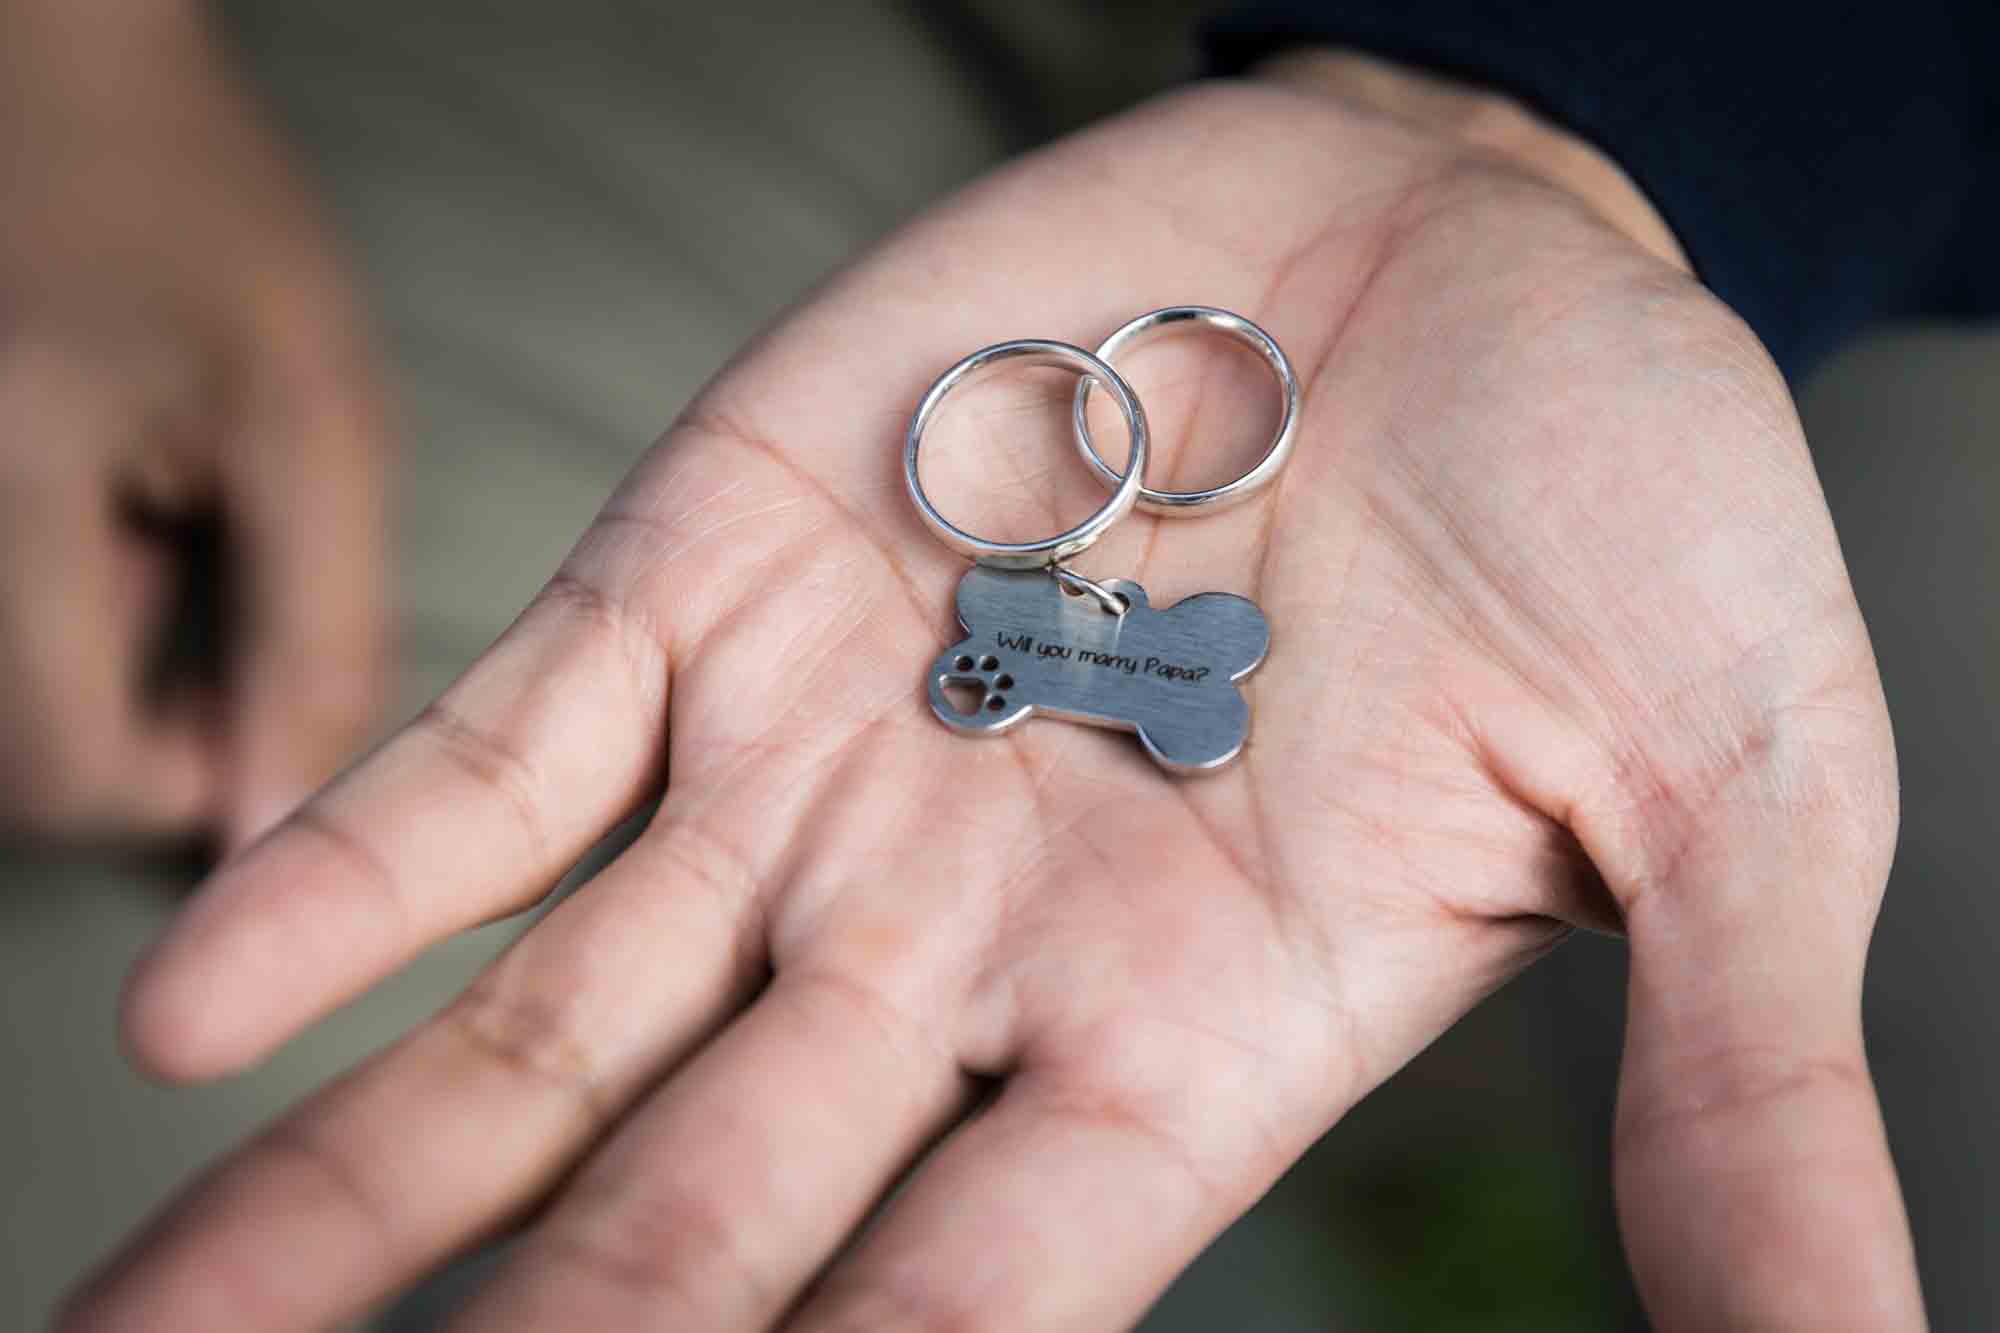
1031,555
1229,493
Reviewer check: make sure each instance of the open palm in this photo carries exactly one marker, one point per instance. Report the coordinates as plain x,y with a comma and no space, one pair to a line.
1561,636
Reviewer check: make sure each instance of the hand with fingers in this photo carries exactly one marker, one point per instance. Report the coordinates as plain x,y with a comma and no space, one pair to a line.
176,343
1560,636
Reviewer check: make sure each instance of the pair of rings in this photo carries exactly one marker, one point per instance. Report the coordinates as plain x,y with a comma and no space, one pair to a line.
1127,488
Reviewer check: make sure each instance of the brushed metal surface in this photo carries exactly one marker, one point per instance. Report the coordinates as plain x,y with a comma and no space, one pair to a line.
1170,675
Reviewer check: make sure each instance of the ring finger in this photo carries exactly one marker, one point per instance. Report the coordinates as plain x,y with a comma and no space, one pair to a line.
728,1191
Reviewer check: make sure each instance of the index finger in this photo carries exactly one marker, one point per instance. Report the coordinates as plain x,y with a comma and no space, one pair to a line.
471,812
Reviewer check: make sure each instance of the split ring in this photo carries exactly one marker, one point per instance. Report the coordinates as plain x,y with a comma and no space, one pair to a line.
1126,488
1229,493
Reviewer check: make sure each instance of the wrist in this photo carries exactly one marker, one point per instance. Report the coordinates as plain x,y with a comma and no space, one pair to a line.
1488,124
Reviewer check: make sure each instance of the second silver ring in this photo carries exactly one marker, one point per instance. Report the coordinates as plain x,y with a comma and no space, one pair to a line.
1231,492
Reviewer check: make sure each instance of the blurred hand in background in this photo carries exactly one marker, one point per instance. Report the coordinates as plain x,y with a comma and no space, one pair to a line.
179,352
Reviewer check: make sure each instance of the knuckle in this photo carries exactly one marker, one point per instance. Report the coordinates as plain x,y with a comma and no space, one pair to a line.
323,1174
616,624
355,854
726,884
594,609
492,761
533,1035
1756,751
669,1245
1121,1114
859,1006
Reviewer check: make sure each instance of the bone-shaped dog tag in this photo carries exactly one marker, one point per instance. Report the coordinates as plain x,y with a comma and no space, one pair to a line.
1170,675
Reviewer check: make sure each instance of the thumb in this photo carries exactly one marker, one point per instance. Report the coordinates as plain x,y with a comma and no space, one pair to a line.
1755,1187
306,496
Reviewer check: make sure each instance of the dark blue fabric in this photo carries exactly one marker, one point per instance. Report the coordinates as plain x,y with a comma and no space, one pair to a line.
1825,166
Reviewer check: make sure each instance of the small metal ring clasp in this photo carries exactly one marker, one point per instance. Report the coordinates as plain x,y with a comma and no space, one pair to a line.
1051,550
1113,603
1229,493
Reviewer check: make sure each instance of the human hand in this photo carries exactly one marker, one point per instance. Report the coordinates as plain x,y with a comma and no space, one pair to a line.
1561,635
176,340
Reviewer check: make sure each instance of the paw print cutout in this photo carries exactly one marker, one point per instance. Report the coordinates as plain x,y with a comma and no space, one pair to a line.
1170,675
976,687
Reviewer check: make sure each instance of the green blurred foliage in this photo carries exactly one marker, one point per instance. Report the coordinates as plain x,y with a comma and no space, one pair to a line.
1476,1236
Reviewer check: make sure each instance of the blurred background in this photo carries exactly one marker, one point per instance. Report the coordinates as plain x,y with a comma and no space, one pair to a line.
566,217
